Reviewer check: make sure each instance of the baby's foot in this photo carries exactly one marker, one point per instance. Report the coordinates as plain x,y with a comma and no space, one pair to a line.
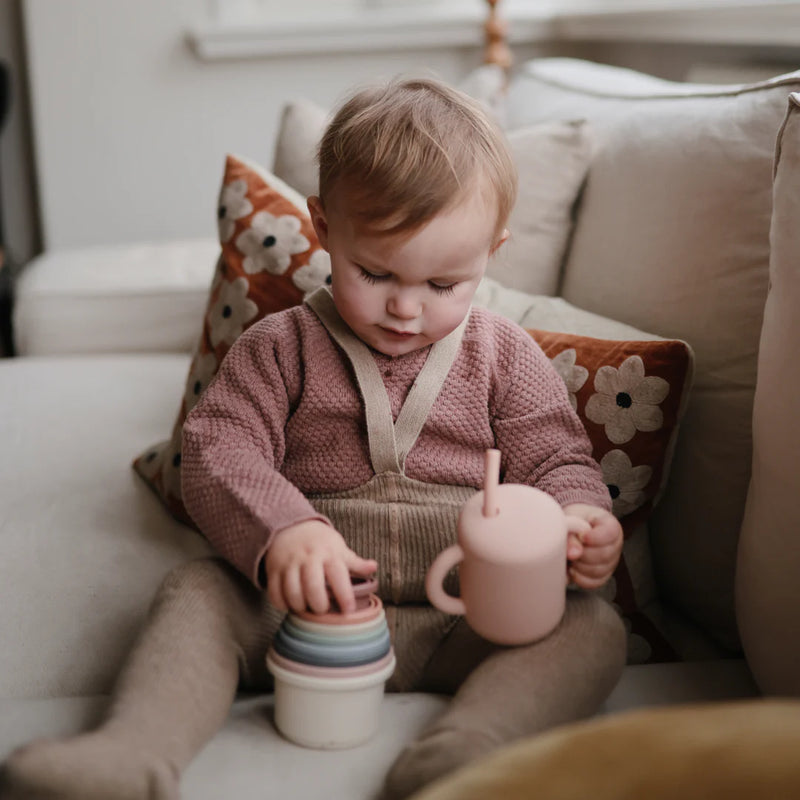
432,756
88,767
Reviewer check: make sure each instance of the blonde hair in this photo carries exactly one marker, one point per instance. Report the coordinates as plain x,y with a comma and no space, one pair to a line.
408,149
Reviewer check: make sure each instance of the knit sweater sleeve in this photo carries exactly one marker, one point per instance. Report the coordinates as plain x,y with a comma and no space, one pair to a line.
234,445
543,441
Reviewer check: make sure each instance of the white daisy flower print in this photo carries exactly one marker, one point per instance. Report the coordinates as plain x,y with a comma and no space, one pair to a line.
573,375
625,482
270,242
311,276
202,371
231,311
626,400
232,205
171,473
149,463
219,274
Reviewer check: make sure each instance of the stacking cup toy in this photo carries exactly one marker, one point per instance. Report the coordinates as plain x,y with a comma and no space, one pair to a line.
330,670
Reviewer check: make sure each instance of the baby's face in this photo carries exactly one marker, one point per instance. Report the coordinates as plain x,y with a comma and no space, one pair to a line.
402,292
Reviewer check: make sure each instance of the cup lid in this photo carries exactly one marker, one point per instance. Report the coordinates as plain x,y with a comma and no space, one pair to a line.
527,524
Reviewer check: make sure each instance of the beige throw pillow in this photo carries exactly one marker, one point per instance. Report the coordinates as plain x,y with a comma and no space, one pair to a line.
552,160
295,162
672,236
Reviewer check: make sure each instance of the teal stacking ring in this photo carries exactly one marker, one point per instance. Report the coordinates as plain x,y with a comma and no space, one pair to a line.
333,653
332,635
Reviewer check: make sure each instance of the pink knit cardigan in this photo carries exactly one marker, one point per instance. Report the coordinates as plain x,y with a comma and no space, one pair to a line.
284,418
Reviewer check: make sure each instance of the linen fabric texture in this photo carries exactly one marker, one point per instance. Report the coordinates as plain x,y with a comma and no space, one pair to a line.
769,551
689,168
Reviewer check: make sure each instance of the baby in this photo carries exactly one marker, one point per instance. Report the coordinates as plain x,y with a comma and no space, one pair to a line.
341,437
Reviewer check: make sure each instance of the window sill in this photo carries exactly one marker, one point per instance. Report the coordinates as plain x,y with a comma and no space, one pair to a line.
733,22
369,31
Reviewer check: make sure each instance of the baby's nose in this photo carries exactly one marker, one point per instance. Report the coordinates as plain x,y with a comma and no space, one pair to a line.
404,305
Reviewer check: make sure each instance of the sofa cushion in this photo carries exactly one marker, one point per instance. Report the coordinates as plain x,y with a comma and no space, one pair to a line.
113,299
551,160
248,753
250,284
84,543
672,235
769,549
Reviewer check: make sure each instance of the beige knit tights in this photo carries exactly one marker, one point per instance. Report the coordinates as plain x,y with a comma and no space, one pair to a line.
204,627
207,633
504,693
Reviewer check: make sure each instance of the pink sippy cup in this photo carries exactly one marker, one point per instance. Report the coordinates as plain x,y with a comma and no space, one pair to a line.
512,557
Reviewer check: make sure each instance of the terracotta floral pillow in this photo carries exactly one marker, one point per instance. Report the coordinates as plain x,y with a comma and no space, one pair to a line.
630,396
269,258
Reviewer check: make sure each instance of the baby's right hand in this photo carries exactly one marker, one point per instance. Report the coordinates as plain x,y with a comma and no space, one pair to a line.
303,558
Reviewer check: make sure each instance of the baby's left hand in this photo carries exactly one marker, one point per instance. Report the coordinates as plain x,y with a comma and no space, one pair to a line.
593,556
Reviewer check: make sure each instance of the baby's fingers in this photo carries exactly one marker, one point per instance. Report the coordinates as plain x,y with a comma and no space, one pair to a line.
575,548
588,577
340,585
293,593
365,567
315,594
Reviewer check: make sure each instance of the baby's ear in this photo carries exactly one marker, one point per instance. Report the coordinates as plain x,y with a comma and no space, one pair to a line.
318,219
501,240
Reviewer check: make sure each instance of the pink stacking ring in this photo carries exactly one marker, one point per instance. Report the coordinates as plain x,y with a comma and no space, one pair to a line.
371,610
328,672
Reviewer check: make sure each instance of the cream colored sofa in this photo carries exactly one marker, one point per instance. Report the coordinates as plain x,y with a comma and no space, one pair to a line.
675,232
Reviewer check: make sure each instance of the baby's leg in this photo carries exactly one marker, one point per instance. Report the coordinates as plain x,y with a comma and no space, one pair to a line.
514,691
206,624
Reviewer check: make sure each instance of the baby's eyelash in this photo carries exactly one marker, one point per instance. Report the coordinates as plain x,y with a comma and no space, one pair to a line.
443,289
370,277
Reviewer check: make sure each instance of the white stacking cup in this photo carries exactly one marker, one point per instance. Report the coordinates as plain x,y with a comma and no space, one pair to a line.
331,707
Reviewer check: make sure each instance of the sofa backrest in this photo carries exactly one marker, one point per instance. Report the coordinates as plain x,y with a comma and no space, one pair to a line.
769,549
672,236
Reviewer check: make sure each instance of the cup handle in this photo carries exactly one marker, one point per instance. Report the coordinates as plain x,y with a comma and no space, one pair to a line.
437,571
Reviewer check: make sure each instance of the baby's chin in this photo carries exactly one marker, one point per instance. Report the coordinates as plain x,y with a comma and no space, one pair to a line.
387,346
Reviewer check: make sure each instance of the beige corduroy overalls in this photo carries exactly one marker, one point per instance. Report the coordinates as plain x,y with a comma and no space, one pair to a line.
400,522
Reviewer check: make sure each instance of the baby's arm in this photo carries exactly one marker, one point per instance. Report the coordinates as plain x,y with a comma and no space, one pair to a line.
233,447
594,556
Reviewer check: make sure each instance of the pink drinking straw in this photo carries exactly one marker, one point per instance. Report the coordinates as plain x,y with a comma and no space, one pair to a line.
491,479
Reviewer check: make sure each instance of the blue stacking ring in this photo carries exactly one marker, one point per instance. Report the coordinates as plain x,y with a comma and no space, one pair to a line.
333,637
333,653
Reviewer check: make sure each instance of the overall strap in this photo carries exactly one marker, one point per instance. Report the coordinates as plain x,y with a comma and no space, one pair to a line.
389,442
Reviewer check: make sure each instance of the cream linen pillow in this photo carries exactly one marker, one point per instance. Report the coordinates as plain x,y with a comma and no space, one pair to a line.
295,160
552,160
672,235
769,550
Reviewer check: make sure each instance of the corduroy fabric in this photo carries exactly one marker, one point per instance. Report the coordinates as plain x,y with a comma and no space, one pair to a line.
401,522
